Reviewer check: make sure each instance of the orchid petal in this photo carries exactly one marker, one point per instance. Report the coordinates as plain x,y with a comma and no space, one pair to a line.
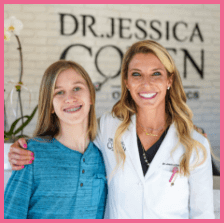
13,25
7,35
16,24
6,23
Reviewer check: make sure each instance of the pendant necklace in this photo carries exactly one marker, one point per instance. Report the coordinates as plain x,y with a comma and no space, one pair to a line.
143,150
144,156
151,134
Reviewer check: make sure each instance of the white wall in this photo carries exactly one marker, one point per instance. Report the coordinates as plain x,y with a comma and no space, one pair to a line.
43,44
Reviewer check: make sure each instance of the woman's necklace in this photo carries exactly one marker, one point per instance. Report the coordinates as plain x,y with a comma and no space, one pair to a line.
144,155
143,150
151,134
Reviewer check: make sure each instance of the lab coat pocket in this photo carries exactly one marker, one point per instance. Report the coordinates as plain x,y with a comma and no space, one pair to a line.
172,197
176,178
98,188
176,184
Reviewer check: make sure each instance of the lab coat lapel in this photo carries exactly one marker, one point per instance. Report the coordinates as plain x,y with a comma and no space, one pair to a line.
130,141
169,142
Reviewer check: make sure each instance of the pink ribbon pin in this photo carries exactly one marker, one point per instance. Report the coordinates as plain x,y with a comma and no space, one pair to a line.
175,170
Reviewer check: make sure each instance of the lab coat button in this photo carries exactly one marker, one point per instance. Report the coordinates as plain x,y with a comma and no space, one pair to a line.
81,184
83,171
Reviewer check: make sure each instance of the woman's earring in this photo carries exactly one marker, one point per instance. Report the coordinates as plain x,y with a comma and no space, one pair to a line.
128,89
168,88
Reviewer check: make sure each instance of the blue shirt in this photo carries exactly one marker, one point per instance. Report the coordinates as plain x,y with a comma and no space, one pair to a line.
60,184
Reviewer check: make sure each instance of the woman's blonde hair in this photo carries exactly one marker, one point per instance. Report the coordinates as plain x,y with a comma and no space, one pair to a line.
176,109
48,123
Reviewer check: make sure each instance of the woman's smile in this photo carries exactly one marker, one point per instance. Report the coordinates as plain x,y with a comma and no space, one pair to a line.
147,95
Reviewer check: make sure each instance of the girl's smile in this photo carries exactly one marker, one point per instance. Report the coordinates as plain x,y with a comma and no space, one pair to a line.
72,109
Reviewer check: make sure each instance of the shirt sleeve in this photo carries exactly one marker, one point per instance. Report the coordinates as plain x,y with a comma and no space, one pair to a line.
201,189
17,193
102,204
103,196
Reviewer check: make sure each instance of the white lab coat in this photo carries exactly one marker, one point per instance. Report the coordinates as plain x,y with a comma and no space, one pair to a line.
133,196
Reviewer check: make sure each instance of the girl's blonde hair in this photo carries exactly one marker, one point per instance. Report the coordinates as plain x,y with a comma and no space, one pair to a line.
176,109
48,123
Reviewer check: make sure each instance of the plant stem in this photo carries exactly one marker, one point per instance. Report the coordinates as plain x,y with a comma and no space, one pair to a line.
5,118
21,58
20,79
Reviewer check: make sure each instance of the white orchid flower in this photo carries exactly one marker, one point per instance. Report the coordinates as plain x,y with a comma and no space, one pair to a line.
13,25
7,35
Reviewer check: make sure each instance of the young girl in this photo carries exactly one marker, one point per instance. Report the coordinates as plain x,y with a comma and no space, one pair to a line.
67,179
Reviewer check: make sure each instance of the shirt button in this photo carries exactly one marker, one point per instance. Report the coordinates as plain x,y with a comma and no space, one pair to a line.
81,184
83,171
83,159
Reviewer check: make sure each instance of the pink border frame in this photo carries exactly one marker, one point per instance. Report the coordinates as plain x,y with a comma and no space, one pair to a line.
99,2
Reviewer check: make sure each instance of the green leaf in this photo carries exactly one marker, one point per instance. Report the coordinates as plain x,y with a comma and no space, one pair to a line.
14,124
29,118
13,131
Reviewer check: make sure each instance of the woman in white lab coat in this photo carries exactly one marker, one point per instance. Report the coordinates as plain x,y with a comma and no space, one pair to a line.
148,137
158,166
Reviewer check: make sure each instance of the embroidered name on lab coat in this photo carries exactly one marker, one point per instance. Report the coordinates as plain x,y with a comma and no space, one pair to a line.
110,145
170,164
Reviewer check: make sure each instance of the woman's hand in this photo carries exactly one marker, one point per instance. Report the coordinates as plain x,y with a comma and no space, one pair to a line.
18,155
200,130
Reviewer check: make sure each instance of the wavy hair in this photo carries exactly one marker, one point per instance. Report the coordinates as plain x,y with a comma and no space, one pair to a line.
176,109
48,123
